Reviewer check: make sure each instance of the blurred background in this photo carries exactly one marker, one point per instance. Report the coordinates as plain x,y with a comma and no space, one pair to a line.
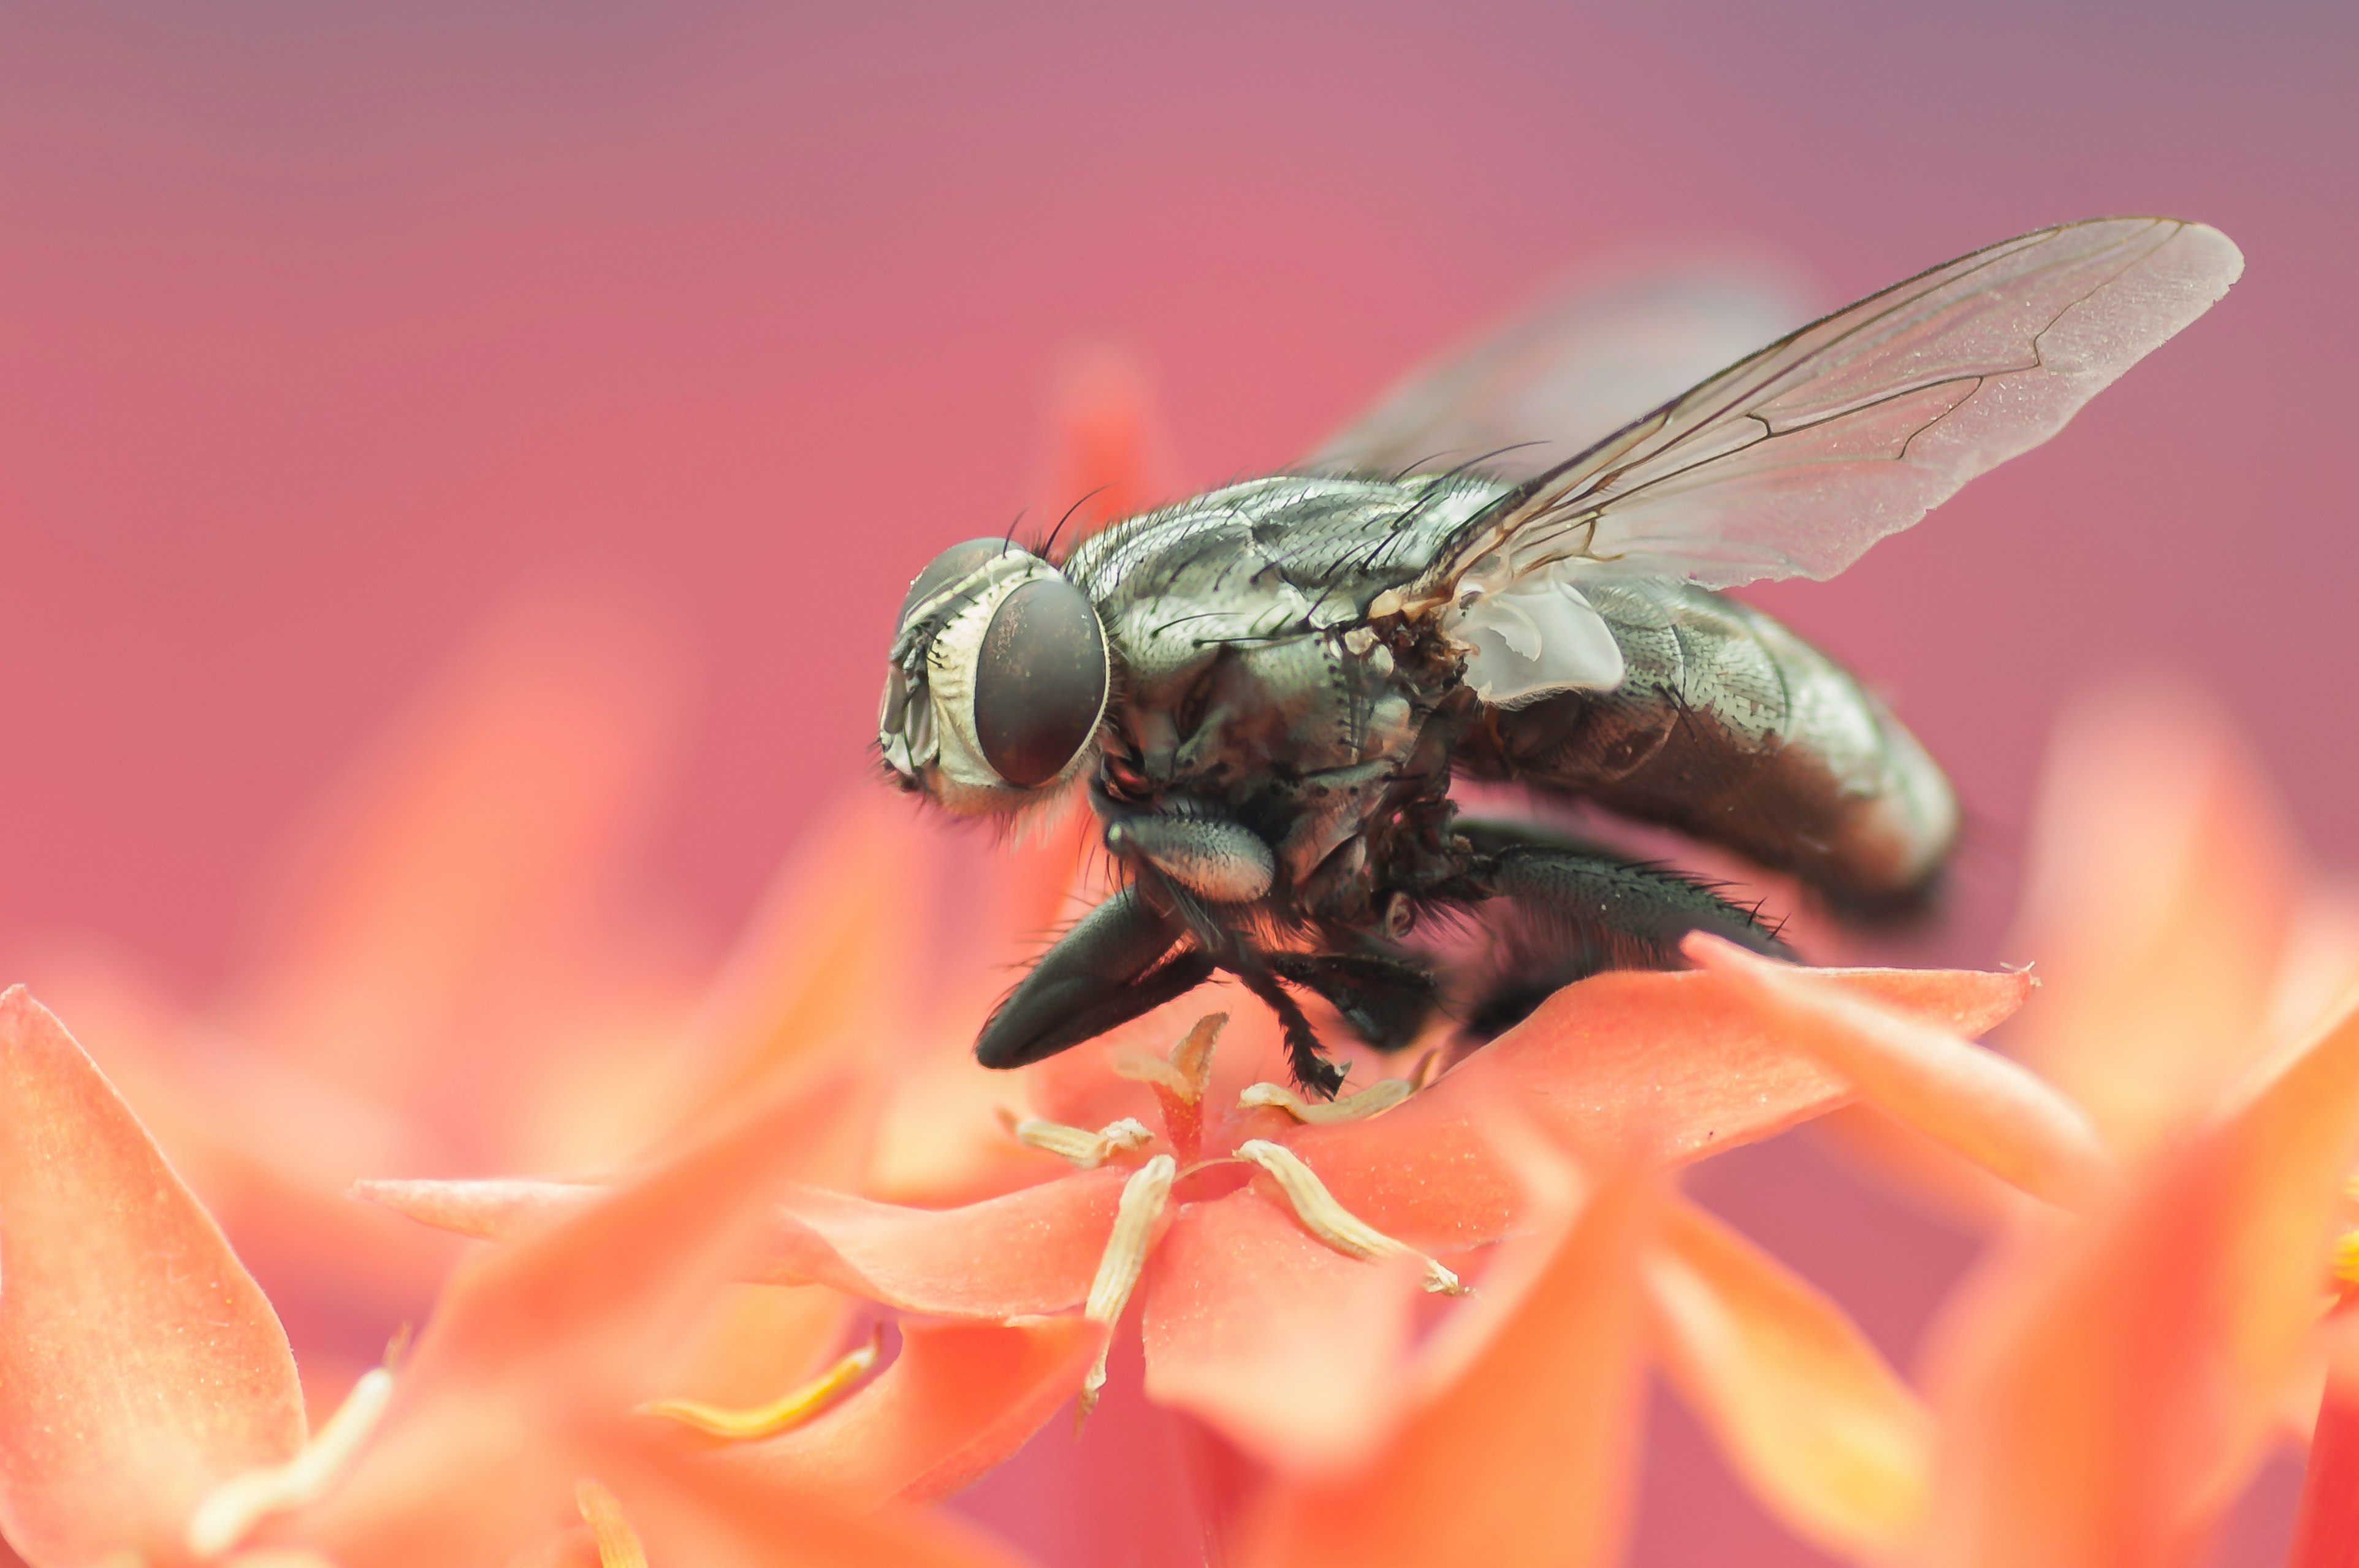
339,344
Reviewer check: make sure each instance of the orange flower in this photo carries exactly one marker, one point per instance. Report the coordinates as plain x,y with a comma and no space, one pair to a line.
1280,1250
150,1410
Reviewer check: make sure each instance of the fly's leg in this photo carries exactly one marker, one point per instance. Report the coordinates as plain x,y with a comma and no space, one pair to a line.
1585,911
1124,958
1385,1000
1304,1059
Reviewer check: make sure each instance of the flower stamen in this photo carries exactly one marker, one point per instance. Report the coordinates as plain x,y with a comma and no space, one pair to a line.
1144,1198
228,1512
1334,1224
1188,1068
618,1544
1081,1147
2345,1266
790,1411
1178,1080
1374,1100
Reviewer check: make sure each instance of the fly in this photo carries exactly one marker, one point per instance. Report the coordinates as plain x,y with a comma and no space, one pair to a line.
1267,689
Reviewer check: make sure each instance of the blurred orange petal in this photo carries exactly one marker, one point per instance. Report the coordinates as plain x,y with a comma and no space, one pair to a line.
691,1514
140,1365
1293,1350
763,1339
464,851
1816,1420
1110,455
1031,1251
2103,1398
1655,1067
2160,885
958,1399
1986,1106
537,1345
824,964
1525,1458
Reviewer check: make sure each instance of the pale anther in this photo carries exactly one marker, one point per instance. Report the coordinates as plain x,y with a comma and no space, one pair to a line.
1081,1147
1189,1067
1144,1198
618,1544
228,1513
783,1414
1376,1098
1334,1224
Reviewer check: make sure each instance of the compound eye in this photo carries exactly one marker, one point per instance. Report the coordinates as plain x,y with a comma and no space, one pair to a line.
948,568
1039,681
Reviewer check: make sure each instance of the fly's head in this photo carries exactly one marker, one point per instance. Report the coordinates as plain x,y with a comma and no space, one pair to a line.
1000,673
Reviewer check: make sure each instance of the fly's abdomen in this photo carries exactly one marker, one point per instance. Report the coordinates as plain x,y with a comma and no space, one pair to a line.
1728,727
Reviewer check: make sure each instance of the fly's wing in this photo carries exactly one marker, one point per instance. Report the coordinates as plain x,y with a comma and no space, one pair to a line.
1791,462
1568,372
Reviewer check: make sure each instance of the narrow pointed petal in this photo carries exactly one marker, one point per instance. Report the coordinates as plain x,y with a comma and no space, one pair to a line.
2159,895
956,1402
1657,1068
819,965
466,847
1986,1106
689,1512
2326,1524
1817,1422
538,1345
1110,454
1525,1459
1291,1349
140,1366
2103,1393
1898,1159
1032,1251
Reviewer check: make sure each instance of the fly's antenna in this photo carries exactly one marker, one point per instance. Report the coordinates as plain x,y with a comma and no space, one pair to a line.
1051,543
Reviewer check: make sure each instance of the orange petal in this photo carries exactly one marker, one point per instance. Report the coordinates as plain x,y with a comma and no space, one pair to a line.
763,1340
824,962
1525,1459
1986,1106
2159,887
466,847
688,1511
1032,1251
140,1365
1111,455
1661,1068
1898,1157
2105,1391
1290,1348
956,1402
2326,1524
535,1345
1806,1410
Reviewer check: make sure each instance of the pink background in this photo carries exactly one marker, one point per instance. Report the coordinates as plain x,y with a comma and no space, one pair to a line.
325,332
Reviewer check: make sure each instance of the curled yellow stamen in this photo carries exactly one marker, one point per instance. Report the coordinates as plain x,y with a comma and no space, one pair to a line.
1334,1224
230,1511
2345,1264
1081,1147
793,1409
1144,1197
1189,1067
1374,1100
618,1544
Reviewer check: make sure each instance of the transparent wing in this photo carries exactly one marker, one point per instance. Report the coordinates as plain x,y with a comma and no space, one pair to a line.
1793,461
1598,352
